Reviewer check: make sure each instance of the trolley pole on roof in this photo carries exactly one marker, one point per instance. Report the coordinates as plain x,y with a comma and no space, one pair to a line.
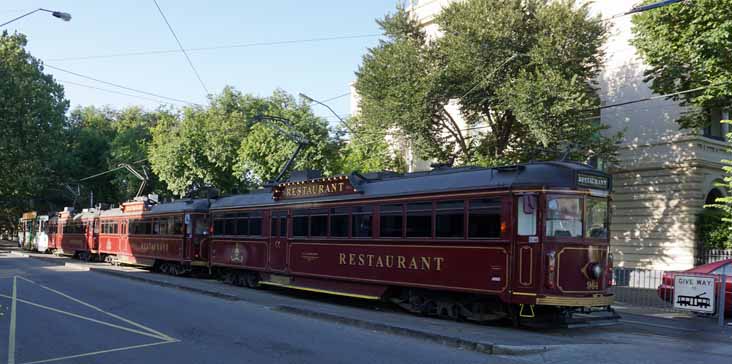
293,134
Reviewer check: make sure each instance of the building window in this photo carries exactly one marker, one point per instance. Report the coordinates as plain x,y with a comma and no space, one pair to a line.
715,129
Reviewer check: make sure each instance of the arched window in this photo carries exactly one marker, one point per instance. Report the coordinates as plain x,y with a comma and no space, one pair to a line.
713,195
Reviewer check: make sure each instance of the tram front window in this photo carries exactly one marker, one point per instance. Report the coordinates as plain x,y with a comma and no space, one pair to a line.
563,217
596,218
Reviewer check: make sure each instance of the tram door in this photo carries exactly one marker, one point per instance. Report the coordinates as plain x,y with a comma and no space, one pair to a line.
526,249
278,241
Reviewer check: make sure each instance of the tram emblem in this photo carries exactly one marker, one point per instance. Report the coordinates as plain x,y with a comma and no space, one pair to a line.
236,255
109,245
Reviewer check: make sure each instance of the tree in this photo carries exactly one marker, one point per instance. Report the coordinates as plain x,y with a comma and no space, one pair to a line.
368,150
32,127
220,146
522,72
687,46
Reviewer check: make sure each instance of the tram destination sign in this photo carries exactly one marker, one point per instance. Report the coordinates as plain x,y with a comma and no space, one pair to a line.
592,181
694,293
330,186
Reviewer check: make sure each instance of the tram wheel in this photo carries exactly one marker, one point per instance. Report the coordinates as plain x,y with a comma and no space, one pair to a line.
252,280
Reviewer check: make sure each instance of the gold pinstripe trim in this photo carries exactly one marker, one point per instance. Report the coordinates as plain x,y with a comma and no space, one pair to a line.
597,300
321,291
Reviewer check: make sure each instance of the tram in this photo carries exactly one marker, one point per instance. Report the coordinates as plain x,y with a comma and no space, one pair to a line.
527,242
169,237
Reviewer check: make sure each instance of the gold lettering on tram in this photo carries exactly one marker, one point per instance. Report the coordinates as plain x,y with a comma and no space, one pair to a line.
391,261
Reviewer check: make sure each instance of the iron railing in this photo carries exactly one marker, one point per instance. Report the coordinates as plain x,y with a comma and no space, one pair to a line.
639,288
704,256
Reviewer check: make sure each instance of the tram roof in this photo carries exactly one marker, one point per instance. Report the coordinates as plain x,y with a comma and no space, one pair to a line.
551,174
185,205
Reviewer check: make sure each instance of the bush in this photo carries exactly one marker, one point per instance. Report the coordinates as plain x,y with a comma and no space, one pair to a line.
713,231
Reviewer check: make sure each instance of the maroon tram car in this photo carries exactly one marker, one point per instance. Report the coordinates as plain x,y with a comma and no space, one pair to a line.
77,234
169,237
527,242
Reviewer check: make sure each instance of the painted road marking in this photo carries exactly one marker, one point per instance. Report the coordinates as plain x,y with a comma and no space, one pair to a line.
157,333
145,331
13,323
102,352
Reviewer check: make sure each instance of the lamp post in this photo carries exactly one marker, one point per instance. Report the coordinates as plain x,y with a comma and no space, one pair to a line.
310,99
58,14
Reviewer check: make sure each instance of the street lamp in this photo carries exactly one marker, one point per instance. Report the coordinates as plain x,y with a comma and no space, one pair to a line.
58,14
310,99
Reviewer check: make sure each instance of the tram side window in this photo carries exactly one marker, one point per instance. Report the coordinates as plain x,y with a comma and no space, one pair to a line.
361,222
319,222
450,219
300,223
255,224
242,225
339,221
163,226
484,218
390,220
419,220
178,225
527,215
230,227
218,226
563,217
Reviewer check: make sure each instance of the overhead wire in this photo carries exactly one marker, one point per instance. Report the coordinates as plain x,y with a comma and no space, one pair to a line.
212,48
111,91
121,86
180,46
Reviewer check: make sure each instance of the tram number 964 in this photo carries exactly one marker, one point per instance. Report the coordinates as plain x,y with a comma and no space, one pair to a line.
593,285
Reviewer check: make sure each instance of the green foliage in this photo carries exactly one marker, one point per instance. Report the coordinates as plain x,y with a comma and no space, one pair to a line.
522,72
218,146
714,230
688,45
368,151
32,127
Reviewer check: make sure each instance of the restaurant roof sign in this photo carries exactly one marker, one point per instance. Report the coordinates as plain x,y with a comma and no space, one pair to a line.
329,186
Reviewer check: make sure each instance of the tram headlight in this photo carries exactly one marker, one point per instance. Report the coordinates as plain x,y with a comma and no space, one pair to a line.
594,270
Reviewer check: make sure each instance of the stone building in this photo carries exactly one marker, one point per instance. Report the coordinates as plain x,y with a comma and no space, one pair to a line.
664,174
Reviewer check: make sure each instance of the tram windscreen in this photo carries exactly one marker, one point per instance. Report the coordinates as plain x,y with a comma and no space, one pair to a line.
596,213
563,217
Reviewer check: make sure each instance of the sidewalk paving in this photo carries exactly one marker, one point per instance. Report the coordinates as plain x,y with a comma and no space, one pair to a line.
387,318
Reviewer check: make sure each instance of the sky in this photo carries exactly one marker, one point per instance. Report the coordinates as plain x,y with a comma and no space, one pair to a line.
320,69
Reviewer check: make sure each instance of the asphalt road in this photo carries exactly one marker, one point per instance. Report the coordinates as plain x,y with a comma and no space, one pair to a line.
53,314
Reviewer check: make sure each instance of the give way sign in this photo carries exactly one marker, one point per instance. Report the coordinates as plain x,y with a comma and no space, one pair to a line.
694,293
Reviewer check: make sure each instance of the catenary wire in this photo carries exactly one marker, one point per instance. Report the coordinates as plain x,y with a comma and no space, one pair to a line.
202,49
121,86
111,91
180,46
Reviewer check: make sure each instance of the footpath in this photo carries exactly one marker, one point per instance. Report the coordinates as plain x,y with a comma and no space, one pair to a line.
493,339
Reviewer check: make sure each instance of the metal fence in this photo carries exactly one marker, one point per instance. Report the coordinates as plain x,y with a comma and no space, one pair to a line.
639,287
704,256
